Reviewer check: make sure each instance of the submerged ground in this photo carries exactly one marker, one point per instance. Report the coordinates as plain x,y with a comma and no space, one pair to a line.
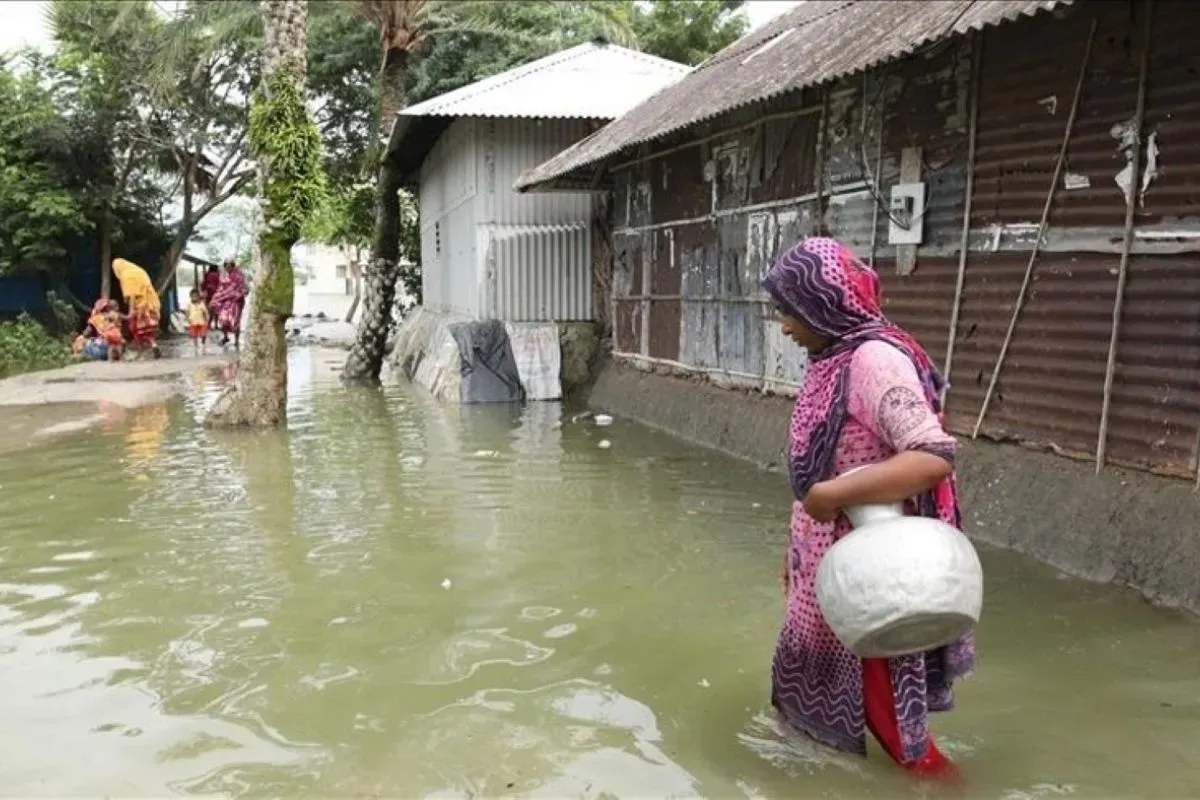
399,599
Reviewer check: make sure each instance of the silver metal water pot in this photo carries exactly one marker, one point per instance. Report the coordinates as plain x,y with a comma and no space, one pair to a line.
897,585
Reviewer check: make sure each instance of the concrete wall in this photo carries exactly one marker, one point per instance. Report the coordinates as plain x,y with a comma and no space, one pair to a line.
1121,526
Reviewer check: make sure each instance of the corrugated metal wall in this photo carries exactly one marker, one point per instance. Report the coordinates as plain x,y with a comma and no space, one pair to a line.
535,249
451,277
488,252
538,273
691,252
508,147
695,227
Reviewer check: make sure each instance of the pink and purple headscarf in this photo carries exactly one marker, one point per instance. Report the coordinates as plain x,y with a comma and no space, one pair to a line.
821,283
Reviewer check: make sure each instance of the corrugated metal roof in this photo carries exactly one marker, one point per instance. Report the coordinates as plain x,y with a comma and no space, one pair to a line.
591,81
818,41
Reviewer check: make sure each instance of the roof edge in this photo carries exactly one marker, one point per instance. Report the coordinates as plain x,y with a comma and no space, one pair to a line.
539,179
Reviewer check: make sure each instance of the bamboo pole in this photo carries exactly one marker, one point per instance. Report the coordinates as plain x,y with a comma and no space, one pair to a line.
877,180
968,198
1139,116
1033,254
822,148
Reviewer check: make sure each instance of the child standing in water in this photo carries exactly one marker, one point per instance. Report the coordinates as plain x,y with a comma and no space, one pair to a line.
197,321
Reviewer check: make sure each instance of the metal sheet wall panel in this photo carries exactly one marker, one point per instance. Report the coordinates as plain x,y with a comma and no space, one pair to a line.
450,267
923,102
1172,197
784,363
507,147
1050,387
697,254
627,281
461,256
681,191
921,302
1156,389
1027,86
538,273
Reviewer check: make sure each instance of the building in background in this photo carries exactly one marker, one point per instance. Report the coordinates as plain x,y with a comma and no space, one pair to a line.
325,281
1024,177
489,254
927,136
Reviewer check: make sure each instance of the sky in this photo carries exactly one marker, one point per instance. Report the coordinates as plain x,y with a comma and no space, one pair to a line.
24,22
24,25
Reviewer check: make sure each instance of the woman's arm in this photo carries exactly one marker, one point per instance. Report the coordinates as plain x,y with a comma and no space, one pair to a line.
902,476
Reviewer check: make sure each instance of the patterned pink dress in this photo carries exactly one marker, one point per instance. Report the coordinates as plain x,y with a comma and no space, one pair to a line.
817,682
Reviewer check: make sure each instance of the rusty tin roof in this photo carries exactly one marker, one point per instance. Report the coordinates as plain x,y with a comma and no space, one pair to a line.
816,42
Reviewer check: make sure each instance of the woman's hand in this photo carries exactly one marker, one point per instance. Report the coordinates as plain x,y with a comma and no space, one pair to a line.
821,503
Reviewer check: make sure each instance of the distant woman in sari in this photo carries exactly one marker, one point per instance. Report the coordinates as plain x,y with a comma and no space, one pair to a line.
145,310
228,302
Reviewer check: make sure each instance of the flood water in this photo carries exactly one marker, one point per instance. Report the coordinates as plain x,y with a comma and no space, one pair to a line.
404,600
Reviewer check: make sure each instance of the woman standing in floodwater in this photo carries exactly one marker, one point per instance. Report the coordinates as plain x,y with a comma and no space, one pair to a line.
870,396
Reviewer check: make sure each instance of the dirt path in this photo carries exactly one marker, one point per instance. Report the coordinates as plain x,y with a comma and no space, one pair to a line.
128,384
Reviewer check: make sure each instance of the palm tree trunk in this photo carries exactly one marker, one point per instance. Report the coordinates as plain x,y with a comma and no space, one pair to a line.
365,361
258,397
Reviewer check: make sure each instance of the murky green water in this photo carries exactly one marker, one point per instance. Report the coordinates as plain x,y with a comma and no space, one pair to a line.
403,600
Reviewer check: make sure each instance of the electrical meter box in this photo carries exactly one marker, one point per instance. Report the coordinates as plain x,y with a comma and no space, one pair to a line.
906,214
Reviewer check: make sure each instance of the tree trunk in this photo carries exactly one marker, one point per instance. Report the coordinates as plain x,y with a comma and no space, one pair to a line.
105,234
356,276
258,396
370,342
393,91
365,361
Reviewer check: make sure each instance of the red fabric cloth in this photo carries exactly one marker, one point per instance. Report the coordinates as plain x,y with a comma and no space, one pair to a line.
880,712
143,327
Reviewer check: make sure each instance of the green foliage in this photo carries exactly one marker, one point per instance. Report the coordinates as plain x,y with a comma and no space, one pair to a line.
687,31
496,37
343,69
288,145
459,43
410,245
25,346
197,67
41,211
62,311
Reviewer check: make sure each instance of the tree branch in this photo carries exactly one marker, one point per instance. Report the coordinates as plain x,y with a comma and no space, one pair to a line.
216,199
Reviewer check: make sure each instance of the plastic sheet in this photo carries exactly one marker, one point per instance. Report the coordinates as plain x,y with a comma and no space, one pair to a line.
538,355
488,368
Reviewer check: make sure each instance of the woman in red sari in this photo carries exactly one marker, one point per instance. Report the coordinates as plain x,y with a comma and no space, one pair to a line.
228,302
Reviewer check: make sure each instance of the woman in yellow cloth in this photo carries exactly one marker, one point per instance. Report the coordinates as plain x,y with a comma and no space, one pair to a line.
144,306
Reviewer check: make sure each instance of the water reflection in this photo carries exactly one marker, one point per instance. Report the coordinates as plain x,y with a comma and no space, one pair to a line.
402,599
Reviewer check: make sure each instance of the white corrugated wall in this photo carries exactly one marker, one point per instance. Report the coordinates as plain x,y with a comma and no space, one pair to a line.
508,147
535,249
488,252
451,279
538,273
